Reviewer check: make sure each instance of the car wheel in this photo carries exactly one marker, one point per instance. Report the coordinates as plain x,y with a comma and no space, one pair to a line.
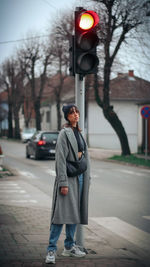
36,155
27,154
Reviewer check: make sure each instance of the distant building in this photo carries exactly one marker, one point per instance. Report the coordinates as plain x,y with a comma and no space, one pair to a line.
128,94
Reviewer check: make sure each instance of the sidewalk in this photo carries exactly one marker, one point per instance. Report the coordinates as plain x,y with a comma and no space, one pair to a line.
102,154
24,236
24,233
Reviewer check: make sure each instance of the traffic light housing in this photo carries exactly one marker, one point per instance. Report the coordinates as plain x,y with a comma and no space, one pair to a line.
85,42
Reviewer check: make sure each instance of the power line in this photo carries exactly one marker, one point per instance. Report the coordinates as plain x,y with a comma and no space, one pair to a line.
50,4
25,39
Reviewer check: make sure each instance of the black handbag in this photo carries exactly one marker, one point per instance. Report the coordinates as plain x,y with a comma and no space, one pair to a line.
75,168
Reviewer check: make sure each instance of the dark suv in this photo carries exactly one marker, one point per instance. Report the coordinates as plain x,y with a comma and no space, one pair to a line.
42,144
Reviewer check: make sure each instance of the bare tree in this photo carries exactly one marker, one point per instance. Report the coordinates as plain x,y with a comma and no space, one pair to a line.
34,58
62,31
12,82
4,81
118,19
18,97
3,116
27,106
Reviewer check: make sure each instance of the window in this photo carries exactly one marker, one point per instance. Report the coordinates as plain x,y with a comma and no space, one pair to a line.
50,137
48,116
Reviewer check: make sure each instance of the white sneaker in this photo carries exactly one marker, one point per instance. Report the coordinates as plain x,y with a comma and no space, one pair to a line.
73,252
50,257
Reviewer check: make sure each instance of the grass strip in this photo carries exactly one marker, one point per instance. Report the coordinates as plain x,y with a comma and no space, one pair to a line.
132,159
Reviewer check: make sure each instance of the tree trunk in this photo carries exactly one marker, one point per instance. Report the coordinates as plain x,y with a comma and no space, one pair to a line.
17,125
10,126
27,113
116,124
26,123
58,114
110,115
37,114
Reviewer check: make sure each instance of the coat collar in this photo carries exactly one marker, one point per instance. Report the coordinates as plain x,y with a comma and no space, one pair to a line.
71,137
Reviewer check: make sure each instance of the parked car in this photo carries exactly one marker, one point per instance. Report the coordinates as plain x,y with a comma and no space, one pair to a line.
42,144
27,134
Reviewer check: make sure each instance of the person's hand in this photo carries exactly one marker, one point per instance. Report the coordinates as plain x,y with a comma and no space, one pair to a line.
64,190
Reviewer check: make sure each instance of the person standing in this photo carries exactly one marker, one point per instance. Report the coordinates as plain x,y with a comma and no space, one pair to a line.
70,194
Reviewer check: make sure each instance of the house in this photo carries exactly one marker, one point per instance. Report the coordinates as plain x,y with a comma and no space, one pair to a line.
128,94
48,105
27,113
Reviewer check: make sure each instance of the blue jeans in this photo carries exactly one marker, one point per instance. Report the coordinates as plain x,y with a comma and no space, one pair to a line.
56,229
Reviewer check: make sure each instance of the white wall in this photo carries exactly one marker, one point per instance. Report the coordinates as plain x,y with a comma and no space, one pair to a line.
102,135
52,125
45,126
21,119
53,117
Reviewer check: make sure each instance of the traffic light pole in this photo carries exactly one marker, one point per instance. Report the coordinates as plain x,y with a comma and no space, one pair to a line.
83,61
80,103
80,98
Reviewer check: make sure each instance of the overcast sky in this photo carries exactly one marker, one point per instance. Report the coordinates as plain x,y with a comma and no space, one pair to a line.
19,17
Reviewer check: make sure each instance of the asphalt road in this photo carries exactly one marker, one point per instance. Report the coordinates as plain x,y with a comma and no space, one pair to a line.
117,191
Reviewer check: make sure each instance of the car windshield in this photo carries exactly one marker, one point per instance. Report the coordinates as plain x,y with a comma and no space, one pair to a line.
29,130
49,137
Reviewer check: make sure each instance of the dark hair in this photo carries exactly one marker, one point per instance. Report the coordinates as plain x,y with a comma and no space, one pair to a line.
67,109
68,124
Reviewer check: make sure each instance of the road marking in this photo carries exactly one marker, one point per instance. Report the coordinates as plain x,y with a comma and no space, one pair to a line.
9,196
146,217
33,201
96,175
10,193
27,174
7,183
125,230
132,172
24,201
13,191
8,188
3,187
51,172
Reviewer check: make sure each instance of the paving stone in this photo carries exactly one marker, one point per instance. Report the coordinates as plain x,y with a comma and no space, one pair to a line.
24,239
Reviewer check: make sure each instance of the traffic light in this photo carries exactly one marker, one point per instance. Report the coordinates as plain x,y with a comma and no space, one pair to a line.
85,42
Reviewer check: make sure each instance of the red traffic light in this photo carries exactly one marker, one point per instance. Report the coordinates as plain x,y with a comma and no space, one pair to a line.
88,20
85,42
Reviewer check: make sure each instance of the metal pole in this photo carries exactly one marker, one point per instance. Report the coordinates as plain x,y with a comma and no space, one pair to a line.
80,98
146,141
80,102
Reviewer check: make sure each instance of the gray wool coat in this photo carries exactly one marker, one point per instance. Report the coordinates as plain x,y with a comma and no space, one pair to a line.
68,209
